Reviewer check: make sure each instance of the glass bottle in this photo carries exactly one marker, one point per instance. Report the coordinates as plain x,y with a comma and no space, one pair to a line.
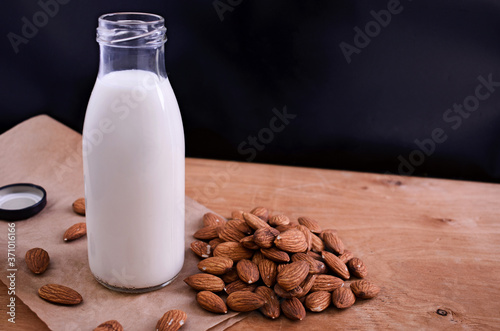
133,156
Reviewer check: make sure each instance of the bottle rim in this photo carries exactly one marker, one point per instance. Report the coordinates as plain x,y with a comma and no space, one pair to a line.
131,29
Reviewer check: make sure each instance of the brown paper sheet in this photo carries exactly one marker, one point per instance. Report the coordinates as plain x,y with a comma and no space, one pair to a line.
44,152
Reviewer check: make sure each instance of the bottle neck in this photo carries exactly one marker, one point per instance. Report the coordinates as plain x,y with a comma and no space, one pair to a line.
132,41
115,58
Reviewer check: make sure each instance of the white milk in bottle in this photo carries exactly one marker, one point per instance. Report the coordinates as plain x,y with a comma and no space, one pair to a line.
133,148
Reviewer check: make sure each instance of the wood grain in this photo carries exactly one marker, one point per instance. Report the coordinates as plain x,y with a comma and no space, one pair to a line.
429,244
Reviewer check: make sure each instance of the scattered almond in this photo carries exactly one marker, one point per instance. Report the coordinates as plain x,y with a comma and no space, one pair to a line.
343,297
75,231
59,294
79,206
357,268
37,260
364,289
211,302
112,325
172,320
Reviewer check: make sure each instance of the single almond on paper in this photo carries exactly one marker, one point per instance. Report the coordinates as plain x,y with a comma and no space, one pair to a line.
343,297
59,294
318,301
75,231
244,301
335,265
326,283
37,260
278,220
261,212
254,221
268,272
233,250
239,285
79,206
213,219
364,289
293,275
357,268
271,307
247,271
275,254
211,302
172,320
292,241
333,243
310,223
293,309
112,325
216,265
264,237
205,282
201,248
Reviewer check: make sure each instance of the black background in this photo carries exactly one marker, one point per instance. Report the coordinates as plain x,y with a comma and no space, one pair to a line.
229,75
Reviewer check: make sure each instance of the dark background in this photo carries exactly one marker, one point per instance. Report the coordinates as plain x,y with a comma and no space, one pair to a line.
229,75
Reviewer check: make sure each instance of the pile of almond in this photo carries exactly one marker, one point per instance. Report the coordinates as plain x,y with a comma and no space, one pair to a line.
274,265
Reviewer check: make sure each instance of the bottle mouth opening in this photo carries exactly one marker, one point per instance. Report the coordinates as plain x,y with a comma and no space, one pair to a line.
130,29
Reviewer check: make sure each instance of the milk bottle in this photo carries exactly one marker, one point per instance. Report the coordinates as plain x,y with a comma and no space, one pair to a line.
133,153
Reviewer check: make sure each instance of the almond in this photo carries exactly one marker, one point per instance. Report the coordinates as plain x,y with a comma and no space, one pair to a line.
268,272
261,212
244,301
228,233
346,256
211,302
317,244
201,248
247,271
237,214
264,237
230,276
307,234
37,260
357,267
326,283
275,254
292,241
292,275
205,282
282,293
112,325
283,228
79,206
271,307
248,242
364,289
293,309
207,233
307,285
333,243
239,225
315,266
254,221
216,265
239,285
75,231
315,255
318,301
310,223
277,220
59,294
214,242
172,320
233,250
335,264
213,219
322,234
257,257
343,297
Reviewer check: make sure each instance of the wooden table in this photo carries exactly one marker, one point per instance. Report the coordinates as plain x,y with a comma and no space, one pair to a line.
430,244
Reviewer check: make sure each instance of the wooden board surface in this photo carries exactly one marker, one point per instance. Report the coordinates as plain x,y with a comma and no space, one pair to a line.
429,244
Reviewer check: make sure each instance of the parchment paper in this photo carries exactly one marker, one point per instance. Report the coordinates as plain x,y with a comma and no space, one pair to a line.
44,152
